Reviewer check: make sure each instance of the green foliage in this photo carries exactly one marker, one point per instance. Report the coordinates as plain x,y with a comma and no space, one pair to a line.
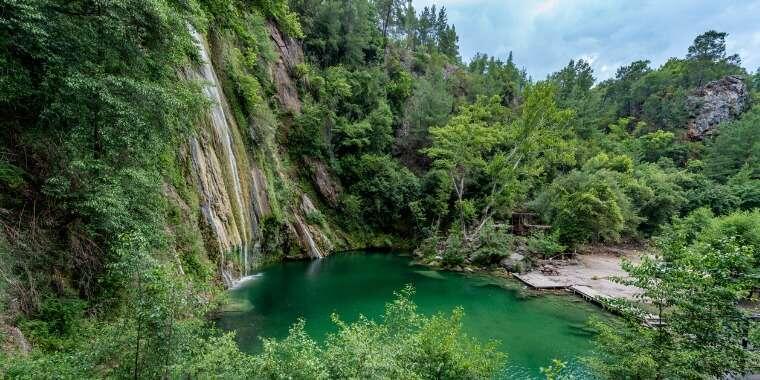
492,245
487,148
373,134
736,147
695,287
274,235
11,176
429,106
55,324
307,134
708,58
279,11
454,252
432,347
383,188
585,207
657,195
490,76
655,145
546,245
297,356
340,32
573,82
315,217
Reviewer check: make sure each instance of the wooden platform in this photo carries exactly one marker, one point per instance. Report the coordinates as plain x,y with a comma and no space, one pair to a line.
539,281
588,293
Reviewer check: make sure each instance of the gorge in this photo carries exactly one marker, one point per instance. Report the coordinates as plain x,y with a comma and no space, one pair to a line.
182,182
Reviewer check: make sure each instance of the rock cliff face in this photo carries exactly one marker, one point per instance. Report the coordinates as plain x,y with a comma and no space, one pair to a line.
715,102
329,188
234,190
290,55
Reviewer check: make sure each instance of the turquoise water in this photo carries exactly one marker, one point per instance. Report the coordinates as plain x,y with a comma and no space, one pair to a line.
532,329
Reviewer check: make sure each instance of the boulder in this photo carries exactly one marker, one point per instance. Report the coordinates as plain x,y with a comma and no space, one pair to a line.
513,263
717,101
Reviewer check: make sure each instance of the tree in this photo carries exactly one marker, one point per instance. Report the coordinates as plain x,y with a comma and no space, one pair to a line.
463,145
483,139
388,11
620,90
737,146
490,76
694,286
385,189
585,206
573,81
707,57
711,46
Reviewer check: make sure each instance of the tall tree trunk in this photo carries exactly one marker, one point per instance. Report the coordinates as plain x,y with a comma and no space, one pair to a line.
385,24
459,188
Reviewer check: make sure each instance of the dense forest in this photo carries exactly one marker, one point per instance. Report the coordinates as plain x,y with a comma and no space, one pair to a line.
354,124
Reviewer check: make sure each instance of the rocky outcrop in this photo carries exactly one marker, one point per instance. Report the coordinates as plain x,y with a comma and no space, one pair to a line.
14,340
328,187
290,55
716,102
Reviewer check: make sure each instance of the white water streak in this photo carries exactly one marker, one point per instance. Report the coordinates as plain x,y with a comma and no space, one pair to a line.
220,124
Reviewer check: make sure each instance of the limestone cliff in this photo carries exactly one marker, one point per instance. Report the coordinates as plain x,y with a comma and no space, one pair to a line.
239,186
716,102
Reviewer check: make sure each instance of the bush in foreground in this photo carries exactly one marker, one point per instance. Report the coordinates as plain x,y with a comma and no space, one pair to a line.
402,344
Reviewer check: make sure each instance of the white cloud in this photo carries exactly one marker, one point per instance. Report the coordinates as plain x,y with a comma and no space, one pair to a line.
545,34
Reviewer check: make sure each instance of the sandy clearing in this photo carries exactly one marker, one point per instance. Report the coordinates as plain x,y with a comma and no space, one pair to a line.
596,269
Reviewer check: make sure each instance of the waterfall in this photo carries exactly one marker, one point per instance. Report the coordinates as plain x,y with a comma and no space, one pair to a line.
216,195
232,186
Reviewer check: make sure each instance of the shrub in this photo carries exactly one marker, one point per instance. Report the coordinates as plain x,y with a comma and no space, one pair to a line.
402,344
492,245
545,244
656,195
585,207
453,253
315,217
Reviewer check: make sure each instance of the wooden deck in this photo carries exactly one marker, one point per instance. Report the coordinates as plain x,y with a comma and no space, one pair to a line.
539,281
589,293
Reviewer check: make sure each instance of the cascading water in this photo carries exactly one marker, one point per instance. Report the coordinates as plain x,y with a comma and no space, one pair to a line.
232,186
223,137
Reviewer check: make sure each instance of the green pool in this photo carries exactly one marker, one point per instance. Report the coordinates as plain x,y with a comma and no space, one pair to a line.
532,329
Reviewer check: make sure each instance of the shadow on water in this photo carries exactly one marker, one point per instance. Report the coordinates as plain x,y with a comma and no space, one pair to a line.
532,329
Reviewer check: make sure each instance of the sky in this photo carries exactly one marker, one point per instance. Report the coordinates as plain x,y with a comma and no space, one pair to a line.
544,35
